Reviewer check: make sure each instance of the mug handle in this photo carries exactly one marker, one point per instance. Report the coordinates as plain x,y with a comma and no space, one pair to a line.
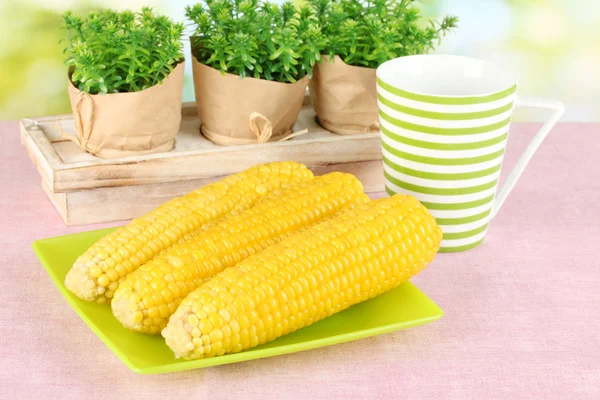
558,109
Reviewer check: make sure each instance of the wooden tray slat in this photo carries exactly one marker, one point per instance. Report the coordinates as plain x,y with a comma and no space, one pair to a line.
65,167
87,189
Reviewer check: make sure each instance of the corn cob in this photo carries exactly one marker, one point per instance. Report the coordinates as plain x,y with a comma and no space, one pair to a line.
189,236
97,273
305,278
146,298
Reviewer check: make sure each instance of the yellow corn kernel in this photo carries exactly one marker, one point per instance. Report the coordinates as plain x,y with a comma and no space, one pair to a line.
186,266
121,252
309,276
262,189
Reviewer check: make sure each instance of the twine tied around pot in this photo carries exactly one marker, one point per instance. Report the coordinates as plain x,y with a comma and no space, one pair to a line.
263,134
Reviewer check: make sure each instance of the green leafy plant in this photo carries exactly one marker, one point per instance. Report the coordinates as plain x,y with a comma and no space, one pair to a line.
255,38
115,52
368,33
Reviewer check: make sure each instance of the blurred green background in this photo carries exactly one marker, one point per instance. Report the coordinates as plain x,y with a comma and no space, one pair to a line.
553,45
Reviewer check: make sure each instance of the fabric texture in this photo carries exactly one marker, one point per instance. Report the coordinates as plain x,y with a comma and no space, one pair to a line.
520,309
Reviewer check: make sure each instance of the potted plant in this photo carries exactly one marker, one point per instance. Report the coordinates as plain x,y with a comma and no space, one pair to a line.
251,63
361,35
125,81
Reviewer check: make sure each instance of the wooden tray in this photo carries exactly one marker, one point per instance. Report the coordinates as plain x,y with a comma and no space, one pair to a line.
87,189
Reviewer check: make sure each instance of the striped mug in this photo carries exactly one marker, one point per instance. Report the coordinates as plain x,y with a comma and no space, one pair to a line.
444,123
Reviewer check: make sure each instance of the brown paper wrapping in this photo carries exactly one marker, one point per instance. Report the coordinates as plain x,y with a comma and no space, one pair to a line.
344,97
126,124
243,111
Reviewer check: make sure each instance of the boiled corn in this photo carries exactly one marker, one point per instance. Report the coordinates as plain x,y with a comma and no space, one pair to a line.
305,278
97,273
189,236
146,298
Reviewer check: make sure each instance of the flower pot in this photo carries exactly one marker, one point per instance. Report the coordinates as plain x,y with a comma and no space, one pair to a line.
344,97
236,111
126,124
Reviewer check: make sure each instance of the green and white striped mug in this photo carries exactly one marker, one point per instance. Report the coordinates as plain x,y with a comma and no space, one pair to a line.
444,123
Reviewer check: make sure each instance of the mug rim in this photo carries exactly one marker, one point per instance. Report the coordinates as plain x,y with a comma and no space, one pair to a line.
448,99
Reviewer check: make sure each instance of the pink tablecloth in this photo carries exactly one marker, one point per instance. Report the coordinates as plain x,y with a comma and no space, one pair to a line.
521,311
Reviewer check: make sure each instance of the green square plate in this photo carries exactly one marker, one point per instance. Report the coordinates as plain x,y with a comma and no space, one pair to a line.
403,307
